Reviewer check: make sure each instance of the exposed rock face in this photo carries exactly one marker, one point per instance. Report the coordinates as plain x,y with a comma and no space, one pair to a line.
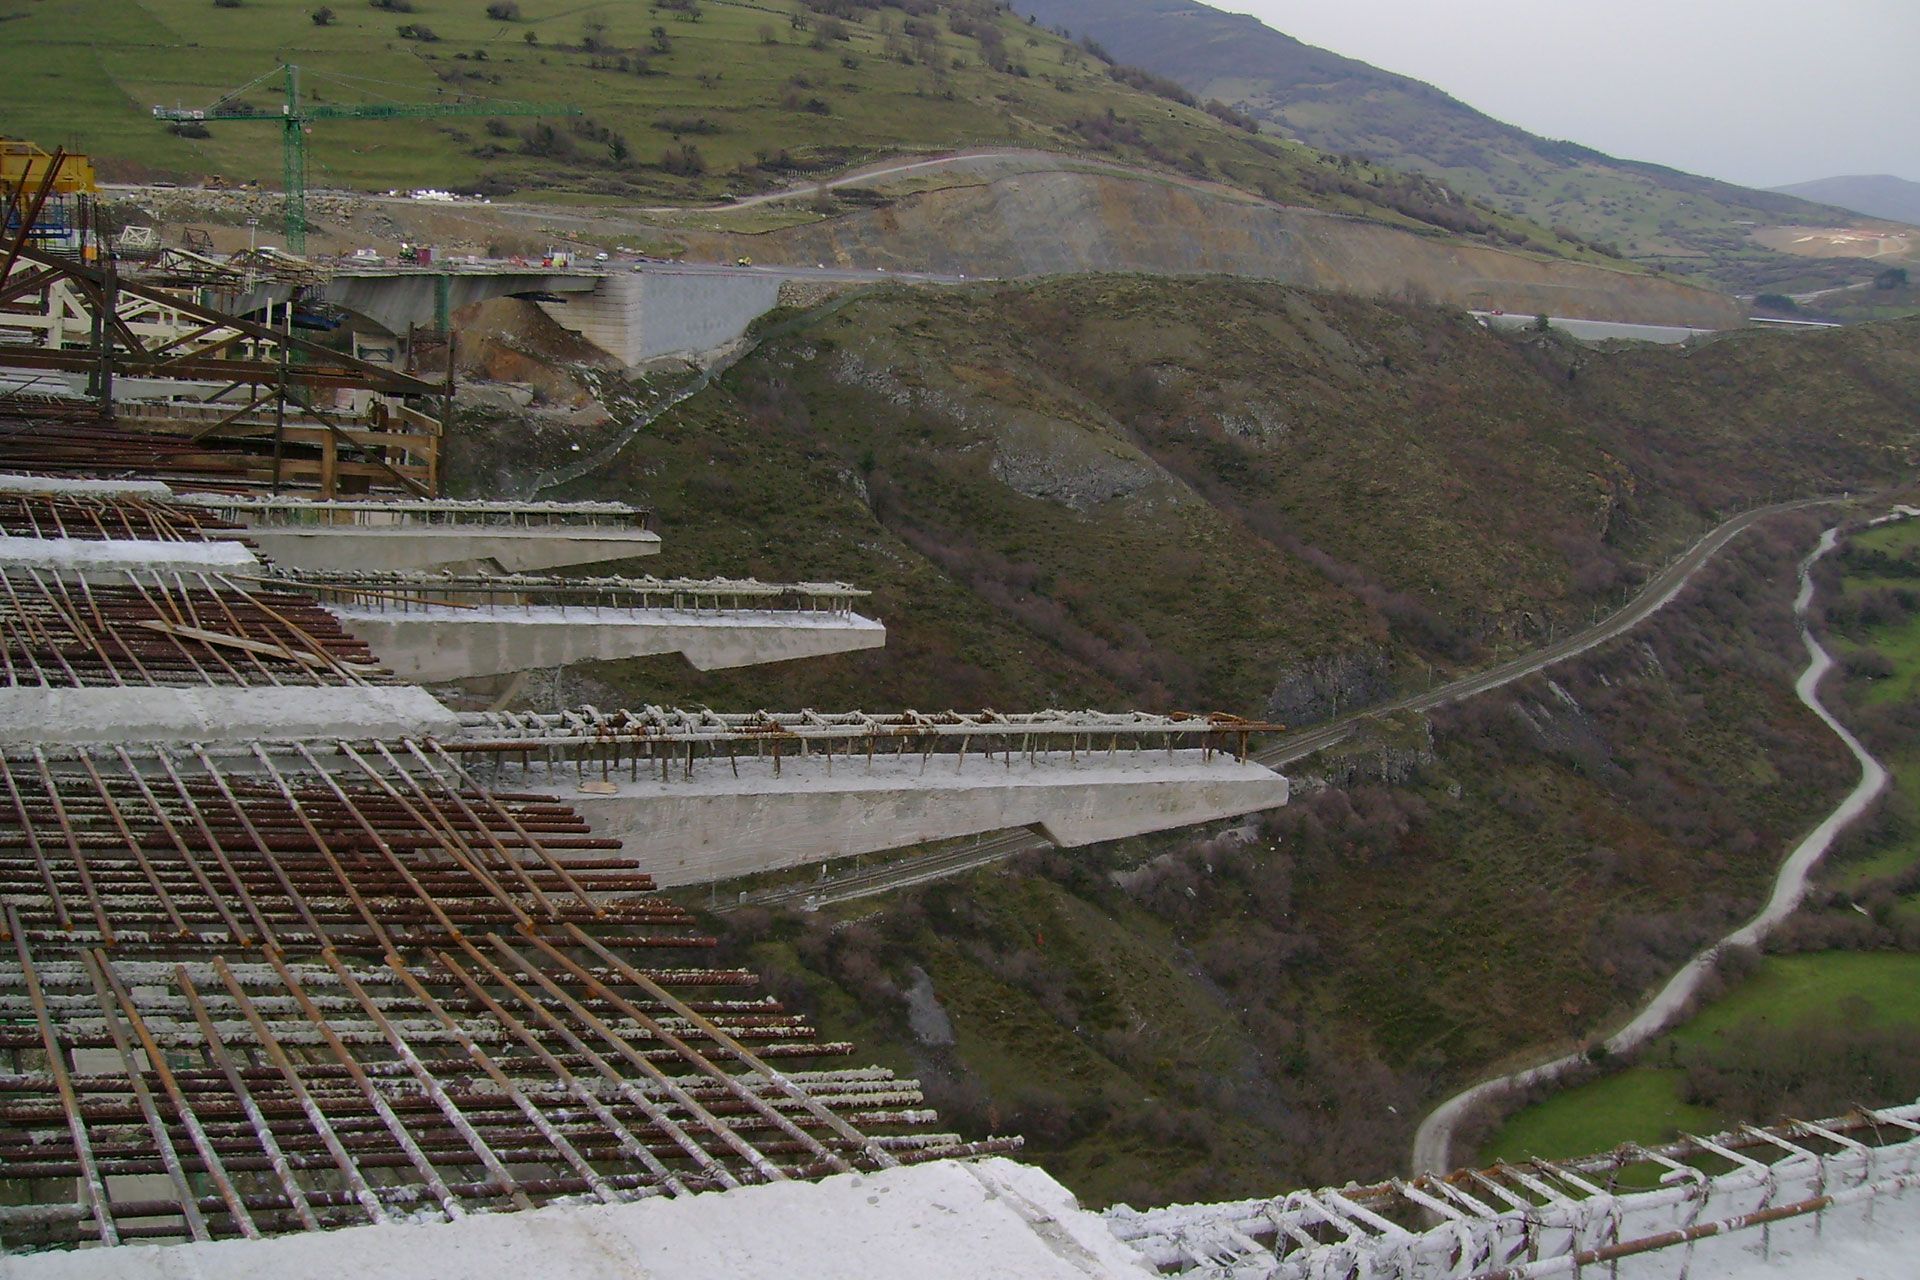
1323,687
1390,759
926,1018
1066,467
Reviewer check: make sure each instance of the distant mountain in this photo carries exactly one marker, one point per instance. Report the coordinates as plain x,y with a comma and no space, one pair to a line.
1878,195
1652,214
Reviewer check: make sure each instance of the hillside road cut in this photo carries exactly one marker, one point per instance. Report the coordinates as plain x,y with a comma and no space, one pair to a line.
1433,1143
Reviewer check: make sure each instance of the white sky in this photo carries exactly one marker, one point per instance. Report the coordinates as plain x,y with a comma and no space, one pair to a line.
1760,92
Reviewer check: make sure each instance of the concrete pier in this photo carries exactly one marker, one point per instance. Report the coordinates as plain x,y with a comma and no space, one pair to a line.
667,311
716,825
662,309
441,642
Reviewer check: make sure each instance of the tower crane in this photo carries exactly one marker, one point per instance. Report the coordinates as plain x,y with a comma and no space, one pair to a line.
296,119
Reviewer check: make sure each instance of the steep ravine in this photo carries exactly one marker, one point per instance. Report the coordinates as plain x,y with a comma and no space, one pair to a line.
1433,1143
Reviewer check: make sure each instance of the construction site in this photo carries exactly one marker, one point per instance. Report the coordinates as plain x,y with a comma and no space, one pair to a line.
308,964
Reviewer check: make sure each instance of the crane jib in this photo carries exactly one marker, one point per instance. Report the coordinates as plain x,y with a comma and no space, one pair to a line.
295,115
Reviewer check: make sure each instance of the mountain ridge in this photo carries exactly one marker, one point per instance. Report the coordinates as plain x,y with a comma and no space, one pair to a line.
1657,215
1878,195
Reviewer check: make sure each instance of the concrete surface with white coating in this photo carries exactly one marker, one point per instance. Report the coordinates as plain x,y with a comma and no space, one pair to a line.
716,825
109,716
944,1220
12,482
992,1219
372,548
106,560
442,643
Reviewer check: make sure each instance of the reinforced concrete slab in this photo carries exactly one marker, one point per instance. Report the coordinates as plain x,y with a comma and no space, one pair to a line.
12,482
715,826
384,550
990,1219
88,556
107,716
436,642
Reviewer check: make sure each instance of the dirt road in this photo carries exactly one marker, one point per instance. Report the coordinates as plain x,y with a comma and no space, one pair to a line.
1433,1142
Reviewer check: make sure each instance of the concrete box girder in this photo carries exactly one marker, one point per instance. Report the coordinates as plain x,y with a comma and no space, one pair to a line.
435,642
717,825
399,549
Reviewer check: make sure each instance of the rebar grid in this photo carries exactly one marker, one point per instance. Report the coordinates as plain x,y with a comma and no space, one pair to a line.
258,1092
1539,1218
65,437
100,518
277,512
401,591
173,628
244,996
363,850
665,740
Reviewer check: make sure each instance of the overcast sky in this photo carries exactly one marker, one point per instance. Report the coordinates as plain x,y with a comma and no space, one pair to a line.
1760,92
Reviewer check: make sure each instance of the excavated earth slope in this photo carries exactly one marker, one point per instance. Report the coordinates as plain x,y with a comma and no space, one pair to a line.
1046,223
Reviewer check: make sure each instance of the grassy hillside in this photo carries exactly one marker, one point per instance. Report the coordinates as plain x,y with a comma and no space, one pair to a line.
1832,1018
1213,493
1652,214
687,100
1234,1013
1121,491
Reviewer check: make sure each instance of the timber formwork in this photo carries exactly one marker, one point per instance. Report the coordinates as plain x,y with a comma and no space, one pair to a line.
170,628
217,396
320,986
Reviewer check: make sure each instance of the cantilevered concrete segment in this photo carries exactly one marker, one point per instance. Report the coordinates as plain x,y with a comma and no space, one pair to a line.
697,796
449,627
436,643
716,826
437,534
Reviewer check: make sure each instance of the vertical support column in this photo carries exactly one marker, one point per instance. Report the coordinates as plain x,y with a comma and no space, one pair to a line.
293,169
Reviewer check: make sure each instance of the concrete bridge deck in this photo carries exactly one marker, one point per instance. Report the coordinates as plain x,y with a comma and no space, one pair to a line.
698,797
439,534
436,627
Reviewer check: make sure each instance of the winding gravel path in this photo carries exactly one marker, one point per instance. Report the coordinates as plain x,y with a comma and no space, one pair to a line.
1433,1142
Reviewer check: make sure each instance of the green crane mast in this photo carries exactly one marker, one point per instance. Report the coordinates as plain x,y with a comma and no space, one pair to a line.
296,120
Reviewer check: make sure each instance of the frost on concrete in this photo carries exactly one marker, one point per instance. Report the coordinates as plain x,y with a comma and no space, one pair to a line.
1746,1203
946,1220
14,483
90,555
105,716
